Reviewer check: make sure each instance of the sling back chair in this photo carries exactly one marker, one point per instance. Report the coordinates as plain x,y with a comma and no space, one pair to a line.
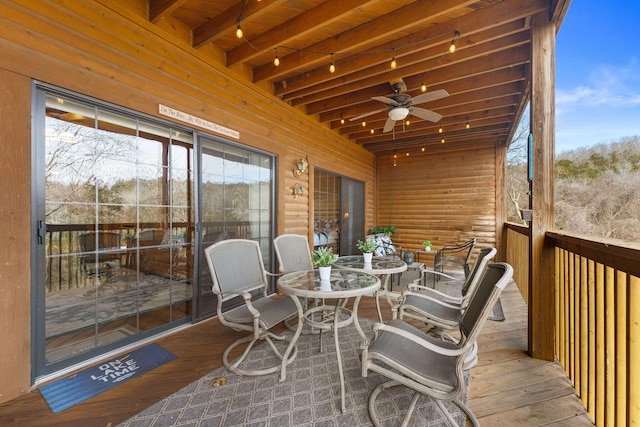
443,311
411,358
292,251
237,271
454,256
100,253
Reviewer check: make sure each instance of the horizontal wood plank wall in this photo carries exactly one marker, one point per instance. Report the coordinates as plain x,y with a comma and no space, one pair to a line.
104,50
445,195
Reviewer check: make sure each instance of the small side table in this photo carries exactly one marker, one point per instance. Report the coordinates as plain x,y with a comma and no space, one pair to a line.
425,252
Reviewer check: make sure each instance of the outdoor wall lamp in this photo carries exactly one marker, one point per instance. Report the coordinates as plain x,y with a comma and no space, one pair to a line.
298,190
301,167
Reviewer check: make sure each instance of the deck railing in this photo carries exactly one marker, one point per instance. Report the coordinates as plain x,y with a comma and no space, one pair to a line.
597,327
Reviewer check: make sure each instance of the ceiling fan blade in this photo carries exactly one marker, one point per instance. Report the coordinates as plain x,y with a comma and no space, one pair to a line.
423,113
385,100
388,125
370,113
429,96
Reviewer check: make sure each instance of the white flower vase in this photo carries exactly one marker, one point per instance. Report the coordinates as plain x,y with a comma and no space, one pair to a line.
367,258
325,273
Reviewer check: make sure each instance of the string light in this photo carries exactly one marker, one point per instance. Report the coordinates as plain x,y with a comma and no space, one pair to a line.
341,119
238,29
468,125
423,87
456,37
442,140
408,122
394,64
372,131
364,123
332,67
276,61
422,149
440,130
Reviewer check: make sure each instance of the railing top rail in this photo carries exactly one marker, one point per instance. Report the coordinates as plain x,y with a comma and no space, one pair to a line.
619,254
518,228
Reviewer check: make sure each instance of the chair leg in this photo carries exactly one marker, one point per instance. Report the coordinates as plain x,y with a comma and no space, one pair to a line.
464,408
233,367
384,387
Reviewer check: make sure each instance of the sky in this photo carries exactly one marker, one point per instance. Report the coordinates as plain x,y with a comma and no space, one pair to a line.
598,73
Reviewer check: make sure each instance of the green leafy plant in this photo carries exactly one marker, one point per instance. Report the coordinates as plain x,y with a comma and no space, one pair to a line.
389,231
323,257
367,247
427,244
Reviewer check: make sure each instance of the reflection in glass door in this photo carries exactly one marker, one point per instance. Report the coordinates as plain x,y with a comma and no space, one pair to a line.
235,201
114,211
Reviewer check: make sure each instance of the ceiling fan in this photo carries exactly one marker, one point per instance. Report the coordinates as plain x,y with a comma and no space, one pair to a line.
400,105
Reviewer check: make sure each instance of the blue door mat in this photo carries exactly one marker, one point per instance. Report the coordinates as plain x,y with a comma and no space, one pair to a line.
82,385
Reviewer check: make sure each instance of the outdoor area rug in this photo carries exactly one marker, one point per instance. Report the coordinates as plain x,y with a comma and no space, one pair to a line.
310,396
66,392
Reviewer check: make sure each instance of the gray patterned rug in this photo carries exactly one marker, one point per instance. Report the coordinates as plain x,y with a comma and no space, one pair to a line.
309,397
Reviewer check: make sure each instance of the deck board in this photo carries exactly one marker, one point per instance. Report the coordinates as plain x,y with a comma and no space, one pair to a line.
507,387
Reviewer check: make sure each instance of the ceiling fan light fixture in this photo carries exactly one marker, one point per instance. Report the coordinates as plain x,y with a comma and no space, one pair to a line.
398,113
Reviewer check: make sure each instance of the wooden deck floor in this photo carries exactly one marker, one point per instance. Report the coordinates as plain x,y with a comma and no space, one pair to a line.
507,388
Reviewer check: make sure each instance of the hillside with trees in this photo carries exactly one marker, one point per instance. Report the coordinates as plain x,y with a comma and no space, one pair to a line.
597,189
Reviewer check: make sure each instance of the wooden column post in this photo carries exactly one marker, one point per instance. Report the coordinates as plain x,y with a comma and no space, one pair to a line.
541,262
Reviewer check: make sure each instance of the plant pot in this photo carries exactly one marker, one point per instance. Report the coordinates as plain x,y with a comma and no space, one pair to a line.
325,274
367,257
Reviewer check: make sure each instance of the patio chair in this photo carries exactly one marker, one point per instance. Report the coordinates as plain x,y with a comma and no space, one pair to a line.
238,272
441,310
292,251
454,256
411,358
100,253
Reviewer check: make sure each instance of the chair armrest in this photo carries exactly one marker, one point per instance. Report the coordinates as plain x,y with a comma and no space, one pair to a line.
449,350
429,298
425,271
435,294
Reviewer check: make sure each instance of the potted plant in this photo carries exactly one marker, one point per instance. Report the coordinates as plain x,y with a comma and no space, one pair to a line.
389,231
427,245
323,258
367,247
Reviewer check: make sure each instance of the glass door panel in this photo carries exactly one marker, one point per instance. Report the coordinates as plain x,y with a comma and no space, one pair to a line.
236,202
115,200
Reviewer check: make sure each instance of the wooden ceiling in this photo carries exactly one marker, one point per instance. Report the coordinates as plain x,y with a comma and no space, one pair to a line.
487,77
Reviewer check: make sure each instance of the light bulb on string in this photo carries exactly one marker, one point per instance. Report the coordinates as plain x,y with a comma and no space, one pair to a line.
239,33
372,131
341,119
440,129
394,64
452,46
364,123
467,125
332,67
423,87
276,60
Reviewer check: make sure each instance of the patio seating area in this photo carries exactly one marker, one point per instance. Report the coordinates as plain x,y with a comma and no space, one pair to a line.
507,387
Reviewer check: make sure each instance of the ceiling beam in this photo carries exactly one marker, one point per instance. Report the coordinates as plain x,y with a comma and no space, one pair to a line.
411,15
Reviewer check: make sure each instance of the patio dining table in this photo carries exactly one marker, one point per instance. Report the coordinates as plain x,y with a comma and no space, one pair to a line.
379,266
342,284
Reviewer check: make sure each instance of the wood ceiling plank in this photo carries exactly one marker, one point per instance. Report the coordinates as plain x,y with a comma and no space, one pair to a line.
411,15
499,15
159,9
460,59
228,20
504,59
305,23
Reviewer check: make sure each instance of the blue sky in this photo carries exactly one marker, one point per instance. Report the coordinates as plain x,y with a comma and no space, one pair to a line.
598,73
